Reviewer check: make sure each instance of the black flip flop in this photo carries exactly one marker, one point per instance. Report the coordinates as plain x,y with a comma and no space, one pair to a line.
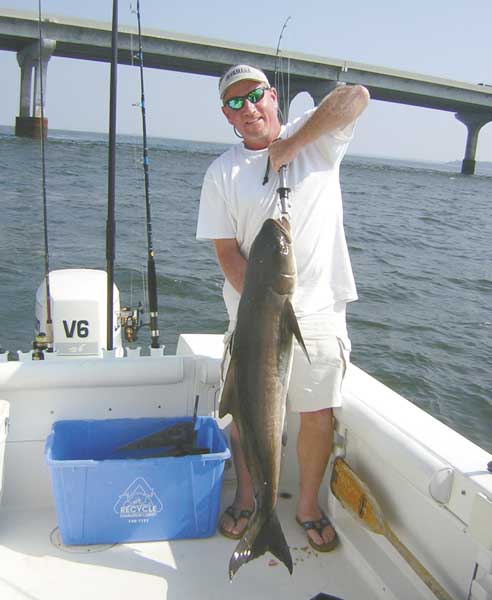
318,525
243,514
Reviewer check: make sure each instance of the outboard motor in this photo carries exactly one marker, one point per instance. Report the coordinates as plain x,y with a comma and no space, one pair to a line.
78,311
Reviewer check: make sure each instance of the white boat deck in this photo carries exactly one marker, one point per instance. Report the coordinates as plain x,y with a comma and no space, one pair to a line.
33,565
434,487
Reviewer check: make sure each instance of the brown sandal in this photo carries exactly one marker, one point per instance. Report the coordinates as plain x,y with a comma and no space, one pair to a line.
318,525
243,514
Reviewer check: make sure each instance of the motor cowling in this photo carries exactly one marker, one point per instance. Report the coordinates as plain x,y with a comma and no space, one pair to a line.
78,312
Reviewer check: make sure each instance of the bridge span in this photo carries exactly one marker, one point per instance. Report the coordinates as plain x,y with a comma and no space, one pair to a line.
90,40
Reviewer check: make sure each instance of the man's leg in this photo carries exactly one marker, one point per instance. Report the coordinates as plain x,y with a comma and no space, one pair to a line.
244,499
314,444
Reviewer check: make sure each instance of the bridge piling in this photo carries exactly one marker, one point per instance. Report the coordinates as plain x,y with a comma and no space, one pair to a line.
474,123
28,123
83,40
319,92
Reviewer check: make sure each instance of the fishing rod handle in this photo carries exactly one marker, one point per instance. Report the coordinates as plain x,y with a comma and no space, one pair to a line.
282,175
283,191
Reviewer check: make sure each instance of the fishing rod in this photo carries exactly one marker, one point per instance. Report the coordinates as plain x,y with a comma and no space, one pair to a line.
151,271
279,76
283,192
283,189
44,341
110,223
277,83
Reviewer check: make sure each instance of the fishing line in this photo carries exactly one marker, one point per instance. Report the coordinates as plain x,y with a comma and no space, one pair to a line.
279,74
49,321
144,285
110,223
283,190
280,87
151,271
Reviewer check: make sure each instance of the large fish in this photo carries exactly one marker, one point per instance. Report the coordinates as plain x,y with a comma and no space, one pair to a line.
257,379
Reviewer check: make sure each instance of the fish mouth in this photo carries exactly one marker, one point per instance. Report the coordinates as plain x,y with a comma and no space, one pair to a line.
284,227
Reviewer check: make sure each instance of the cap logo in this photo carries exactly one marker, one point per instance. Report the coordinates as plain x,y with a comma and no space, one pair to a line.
238,73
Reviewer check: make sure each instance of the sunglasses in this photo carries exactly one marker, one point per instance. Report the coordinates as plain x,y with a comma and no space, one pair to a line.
254,96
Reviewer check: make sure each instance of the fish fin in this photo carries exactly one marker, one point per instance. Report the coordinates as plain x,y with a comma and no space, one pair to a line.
228,395
294,326
254,543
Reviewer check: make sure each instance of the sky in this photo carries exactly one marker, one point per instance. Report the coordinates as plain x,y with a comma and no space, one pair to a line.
442,38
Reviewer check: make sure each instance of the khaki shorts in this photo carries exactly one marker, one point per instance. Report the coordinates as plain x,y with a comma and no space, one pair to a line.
316,385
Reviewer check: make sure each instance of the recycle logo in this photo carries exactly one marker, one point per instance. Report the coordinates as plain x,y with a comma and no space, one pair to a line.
139,500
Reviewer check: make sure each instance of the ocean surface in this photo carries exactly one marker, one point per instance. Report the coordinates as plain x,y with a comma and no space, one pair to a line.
420,238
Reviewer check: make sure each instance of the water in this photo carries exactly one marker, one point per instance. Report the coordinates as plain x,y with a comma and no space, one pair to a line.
419,237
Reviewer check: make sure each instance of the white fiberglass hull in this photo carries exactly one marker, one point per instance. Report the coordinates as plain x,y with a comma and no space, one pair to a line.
432,484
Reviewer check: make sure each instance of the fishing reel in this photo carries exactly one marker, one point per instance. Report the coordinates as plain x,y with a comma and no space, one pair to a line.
39,346
130,320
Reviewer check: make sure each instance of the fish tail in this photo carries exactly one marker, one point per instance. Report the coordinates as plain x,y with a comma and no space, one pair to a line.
257,540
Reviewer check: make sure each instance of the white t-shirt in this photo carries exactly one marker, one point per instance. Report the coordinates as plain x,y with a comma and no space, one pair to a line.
234,203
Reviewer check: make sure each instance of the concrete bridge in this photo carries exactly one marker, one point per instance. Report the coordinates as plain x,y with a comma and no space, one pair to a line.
88,40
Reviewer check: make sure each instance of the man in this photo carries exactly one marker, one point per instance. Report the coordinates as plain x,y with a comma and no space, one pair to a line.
238,194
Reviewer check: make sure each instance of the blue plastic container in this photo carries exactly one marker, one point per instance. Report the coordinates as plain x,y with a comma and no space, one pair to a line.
102,498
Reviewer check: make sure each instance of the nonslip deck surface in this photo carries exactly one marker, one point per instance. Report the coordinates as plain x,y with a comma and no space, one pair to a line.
34,567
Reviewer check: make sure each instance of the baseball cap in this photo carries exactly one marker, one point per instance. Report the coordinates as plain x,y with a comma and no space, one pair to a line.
238,73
